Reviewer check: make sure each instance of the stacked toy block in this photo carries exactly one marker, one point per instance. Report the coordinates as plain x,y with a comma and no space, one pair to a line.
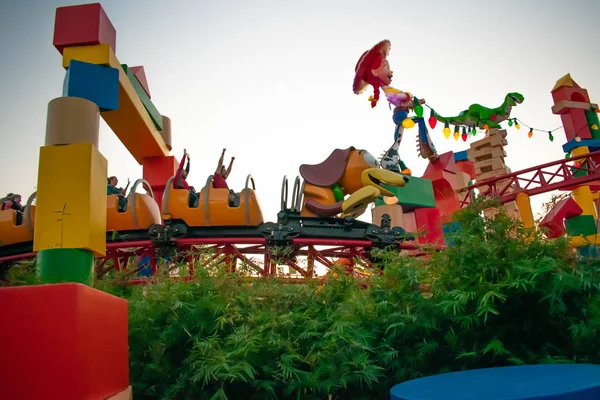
465,173
405,209
488,156
86,39
553,222
425,205
442,174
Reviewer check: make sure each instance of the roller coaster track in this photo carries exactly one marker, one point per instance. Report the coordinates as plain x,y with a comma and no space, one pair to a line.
253,254
557,175
294,248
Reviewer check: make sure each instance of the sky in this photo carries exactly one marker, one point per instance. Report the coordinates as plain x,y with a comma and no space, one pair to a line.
271,81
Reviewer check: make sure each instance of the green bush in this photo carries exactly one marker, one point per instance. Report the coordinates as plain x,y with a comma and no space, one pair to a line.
501,296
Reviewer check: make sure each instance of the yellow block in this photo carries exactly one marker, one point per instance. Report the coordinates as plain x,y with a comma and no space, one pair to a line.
583,197
130,122
100,54
525,212
71,199
580,241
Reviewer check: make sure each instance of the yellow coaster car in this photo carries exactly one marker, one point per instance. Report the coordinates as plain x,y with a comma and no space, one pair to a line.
13,233
140,213
215,207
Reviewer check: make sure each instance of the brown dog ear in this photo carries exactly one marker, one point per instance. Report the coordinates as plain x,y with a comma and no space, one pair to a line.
329,171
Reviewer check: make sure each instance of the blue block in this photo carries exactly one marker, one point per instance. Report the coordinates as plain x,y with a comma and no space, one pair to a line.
529,382
448,230
589,251
461,156
144,267
592,144
92,82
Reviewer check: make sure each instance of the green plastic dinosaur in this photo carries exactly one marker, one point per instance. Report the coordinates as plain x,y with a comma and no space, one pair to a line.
479,116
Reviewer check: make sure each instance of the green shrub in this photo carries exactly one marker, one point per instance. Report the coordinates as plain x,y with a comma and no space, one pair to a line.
501,296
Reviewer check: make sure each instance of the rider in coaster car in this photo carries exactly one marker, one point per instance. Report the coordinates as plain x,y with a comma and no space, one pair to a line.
220,180
5,199
111,188
180,180
13,201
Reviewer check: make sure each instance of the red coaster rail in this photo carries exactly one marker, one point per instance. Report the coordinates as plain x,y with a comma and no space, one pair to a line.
556,175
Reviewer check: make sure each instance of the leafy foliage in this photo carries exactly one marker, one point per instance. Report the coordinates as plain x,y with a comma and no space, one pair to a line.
502,295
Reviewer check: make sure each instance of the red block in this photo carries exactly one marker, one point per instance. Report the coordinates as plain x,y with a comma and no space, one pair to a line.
554,220
429,225
62,341
158,170
445,162
83,25
468,167
140,75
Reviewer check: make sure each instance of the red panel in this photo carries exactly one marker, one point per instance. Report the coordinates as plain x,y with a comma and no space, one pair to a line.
158,170
566,93
65,341
83,25
580,124
429,224
468,167
444,163
140,74
553,221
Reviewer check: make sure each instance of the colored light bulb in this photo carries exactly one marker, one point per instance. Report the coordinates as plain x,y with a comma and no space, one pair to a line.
446,132
464,136
408,123
486,127
456,135
432,122
494,117
568,155
474,131
530,134
418,108
510,122
550,136
517,125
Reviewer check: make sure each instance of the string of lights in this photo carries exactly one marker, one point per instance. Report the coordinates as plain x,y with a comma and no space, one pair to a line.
516,122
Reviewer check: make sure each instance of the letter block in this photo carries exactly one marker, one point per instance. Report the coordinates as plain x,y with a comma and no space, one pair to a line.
71,199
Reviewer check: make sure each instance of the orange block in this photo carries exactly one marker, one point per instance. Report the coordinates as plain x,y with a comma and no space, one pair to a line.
62,341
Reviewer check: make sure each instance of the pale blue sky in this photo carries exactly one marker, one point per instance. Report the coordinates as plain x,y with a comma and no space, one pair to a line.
272,80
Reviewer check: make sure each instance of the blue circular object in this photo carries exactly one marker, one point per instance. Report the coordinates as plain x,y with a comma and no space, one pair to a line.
529,382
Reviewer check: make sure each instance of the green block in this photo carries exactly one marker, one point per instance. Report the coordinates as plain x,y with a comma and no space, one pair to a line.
148,105
592,119
581,225
66,265
417,193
